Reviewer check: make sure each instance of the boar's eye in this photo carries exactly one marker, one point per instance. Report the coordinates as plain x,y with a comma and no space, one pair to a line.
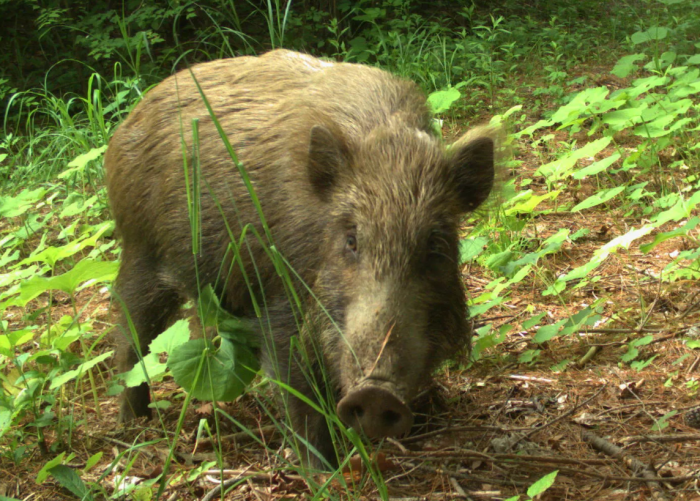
351,242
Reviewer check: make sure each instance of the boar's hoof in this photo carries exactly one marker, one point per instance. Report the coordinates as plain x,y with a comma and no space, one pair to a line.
375,411
134,403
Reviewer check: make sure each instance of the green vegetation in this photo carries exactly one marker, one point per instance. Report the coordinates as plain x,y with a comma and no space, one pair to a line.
601,177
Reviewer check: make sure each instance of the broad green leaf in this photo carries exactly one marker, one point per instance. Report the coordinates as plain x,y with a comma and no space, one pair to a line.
16,206
235,329
525,202
547,332
166,342
576,322
621,119
599,198
532,321
77,207
562,167
469,248
642,341
86,272
655,128
226,371
587,102
82,369
32,225
520,274
486,340
626,65
174,336
8,256
537,126
554,242
631,354
685,90
92,461
499,260
542,484
596,167
79,163
662,237
154,371
662,62
197,472
17,275
528,356
642,85
653,33
600,255
639,365
680,124
662,422
5,420
12,339
53,255
685,267
441,100
70,480
681,209
477,309
62,341
665,108
44,472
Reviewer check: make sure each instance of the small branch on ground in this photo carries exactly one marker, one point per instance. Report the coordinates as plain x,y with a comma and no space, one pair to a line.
681,437
691,304
589,355
637,467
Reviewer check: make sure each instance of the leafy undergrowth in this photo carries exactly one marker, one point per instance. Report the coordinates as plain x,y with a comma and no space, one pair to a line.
584,276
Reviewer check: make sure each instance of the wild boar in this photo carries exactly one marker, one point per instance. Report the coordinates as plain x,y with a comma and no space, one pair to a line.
361,198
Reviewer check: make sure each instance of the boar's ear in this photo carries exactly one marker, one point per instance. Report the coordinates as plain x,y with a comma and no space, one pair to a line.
472,163
327,157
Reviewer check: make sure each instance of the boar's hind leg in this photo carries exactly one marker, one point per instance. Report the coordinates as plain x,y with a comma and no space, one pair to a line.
151,305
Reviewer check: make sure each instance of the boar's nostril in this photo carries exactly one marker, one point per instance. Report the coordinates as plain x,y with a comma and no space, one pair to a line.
376,411
391,418
357,411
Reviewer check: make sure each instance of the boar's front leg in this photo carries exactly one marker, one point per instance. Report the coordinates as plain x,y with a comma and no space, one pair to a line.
311,428
296,365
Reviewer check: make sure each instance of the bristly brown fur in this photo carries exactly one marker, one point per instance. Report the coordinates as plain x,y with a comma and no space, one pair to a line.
361,198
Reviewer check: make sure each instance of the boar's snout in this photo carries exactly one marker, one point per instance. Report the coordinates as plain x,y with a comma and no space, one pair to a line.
375,410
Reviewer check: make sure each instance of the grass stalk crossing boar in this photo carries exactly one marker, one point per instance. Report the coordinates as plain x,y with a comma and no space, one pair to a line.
360,197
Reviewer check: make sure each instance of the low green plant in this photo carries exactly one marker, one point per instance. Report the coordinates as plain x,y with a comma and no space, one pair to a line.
538,487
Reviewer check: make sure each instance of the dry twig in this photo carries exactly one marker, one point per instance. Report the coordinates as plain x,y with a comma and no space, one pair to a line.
681,437
634,464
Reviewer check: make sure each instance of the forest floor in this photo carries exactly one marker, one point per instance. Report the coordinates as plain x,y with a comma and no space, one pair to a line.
492,429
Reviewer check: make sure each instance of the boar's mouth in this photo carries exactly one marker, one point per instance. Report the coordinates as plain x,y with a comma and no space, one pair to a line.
373,408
